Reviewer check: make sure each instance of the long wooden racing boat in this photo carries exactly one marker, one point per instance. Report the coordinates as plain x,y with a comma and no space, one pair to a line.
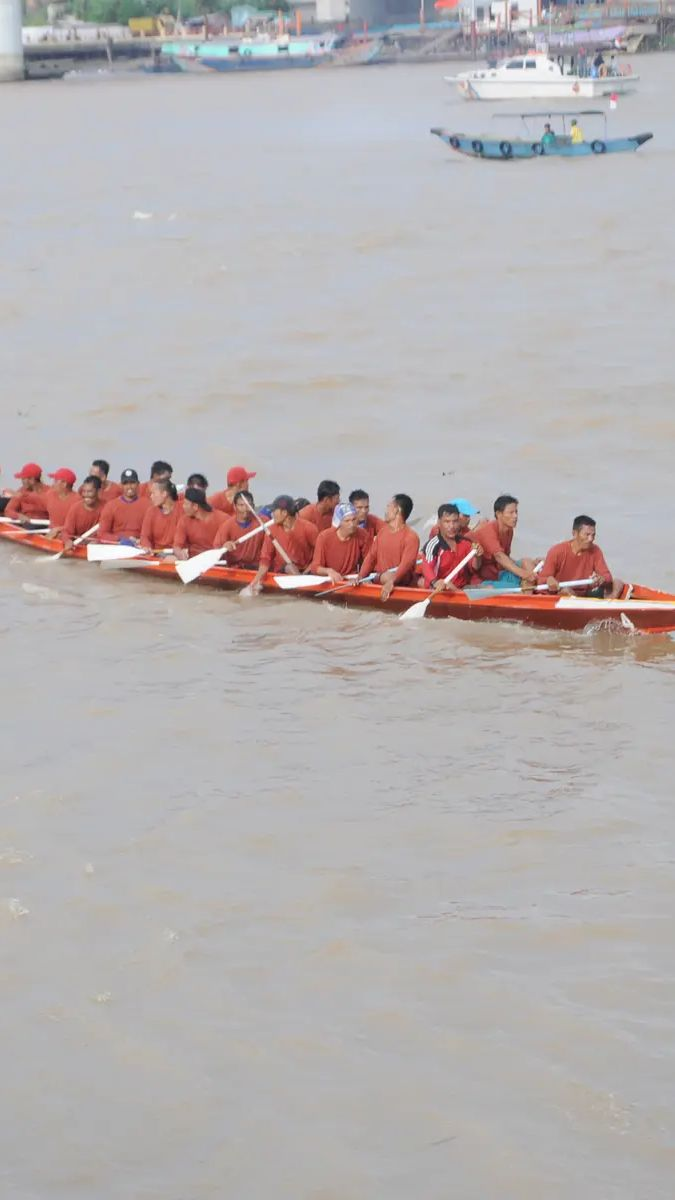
644,609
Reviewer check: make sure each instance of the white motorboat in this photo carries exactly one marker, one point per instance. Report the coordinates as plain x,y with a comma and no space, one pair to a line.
536,76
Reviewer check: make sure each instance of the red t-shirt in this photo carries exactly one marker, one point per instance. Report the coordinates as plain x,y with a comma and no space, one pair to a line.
341,555
58,507
494,541
122,518
105,494
159,528
32,505
391,550
248,554
438,563
222,503
80,520
195,534
564,565
298,542
311,513
370,528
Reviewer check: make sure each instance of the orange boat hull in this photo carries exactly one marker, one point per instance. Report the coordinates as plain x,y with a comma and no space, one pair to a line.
649,610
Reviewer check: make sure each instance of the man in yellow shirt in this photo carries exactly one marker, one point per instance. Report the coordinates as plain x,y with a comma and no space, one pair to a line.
576,135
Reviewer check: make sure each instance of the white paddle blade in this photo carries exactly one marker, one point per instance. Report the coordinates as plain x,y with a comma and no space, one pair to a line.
415,612
104,553
289,583
192,568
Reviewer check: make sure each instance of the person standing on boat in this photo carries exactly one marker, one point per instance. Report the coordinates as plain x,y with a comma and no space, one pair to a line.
327,500
122,519
548,137
368,522
30,502
246,556
60,499
393,554
576,134
580,558
295,536
340,550
158,530
497,568
444,552
197,525
82,517
237,479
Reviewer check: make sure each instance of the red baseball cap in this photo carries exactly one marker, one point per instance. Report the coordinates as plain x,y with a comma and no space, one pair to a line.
239,475
65,474
29,471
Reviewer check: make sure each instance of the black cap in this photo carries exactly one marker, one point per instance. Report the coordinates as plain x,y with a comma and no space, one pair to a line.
129,476
287,503
197,496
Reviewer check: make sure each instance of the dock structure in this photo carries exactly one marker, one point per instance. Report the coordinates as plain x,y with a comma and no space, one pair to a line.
11,44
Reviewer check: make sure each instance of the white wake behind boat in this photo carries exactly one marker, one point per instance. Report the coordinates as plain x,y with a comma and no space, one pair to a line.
536,76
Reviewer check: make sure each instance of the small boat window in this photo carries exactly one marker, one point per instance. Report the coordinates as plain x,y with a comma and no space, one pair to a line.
516,64
531,65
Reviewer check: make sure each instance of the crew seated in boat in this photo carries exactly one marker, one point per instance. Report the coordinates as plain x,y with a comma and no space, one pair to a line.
444,552
84,515
30,502
122,518
101,469
197,525
159,471
497,568
580,558
290,534
548,137
368,522
340,550
60,499
247,556
327,499
158,531
237,478
576,133
393,554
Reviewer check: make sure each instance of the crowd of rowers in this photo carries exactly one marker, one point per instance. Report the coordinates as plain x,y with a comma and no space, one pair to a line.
329,537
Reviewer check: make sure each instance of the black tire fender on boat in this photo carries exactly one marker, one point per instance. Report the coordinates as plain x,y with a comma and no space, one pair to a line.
506,149
454,142
477,146
537,148
598,147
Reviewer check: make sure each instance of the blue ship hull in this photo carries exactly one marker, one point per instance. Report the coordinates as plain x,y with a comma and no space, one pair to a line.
506,149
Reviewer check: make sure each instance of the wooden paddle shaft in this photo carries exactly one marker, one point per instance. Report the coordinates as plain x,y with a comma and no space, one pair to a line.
282,553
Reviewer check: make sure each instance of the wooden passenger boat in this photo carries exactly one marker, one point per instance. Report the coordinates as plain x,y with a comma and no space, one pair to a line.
644,609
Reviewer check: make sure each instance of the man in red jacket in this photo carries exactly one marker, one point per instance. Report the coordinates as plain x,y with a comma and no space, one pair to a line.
580,558
444,552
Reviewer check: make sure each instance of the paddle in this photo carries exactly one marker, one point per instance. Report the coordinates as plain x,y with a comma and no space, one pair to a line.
477,592
418,610
340,587
105,551
78,542
32,523
194,567
289,583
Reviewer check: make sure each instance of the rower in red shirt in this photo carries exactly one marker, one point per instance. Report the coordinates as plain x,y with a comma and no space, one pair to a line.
497,567
30,502
393,554
60,499
237,481
295,536
109,491
340,550
246,556
321,513
84,515
122,519
159,471
580,558
446,551
197,526
368,522
158,531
